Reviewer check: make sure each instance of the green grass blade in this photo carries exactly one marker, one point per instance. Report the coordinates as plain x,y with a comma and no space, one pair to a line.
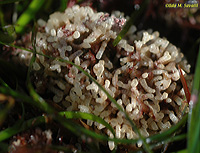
14,129
176,138
63,5
9,1
39,100
2,82
75,128
196,83
18,47
21,96
182,151
194,129
20,126
166,141
130,22
79,130
28,15
194,112
86,116
169,132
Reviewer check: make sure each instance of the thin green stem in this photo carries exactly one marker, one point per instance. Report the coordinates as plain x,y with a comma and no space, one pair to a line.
28,15
20,126
86,116
196,82
130,22
194,128
194,112
168,133
166,141
176,138
3,83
